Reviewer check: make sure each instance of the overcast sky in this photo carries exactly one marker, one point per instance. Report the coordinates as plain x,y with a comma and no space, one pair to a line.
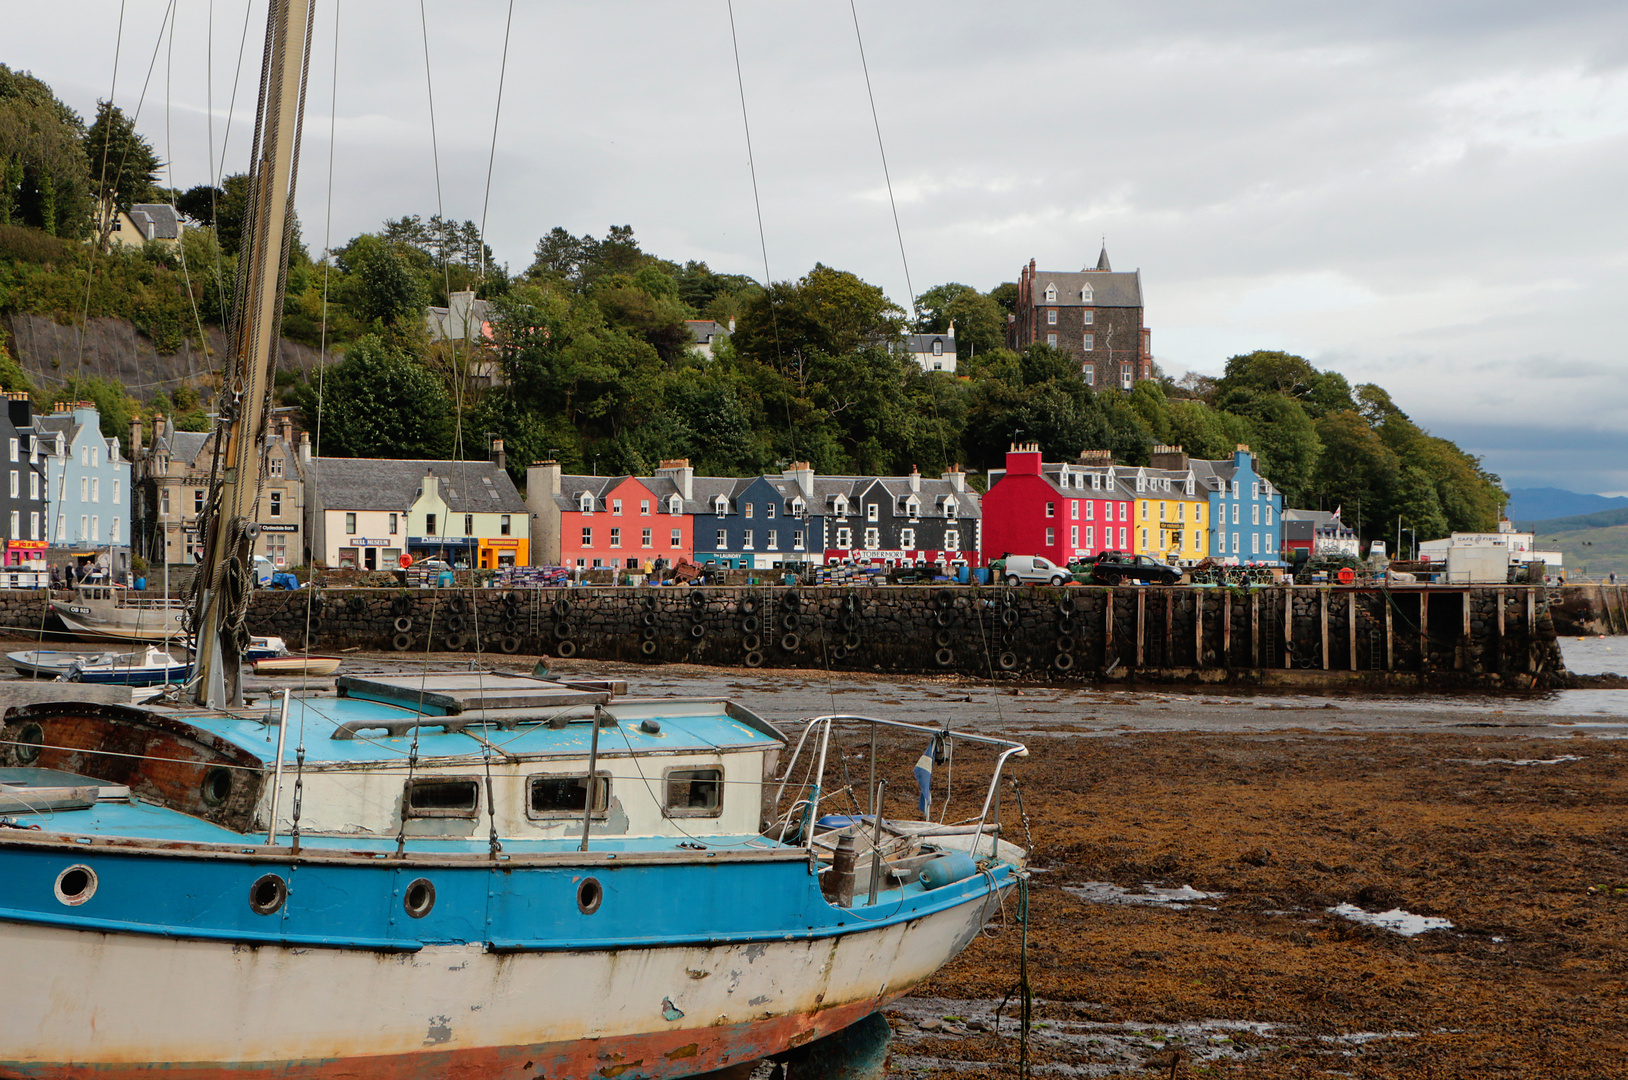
1424,195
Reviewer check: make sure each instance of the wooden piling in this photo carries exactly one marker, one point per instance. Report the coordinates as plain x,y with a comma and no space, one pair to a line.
1288,626
1141,625
1390,633
1226,629
1254,629
1170,628
1322,614
1351,625
1424,628
1500,643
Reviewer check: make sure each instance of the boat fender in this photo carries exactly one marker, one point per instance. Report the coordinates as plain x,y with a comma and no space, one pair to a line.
946,869
791,642
509,644
566,649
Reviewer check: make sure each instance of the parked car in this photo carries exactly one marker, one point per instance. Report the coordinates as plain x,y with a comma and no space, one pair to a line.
1032,569
1116,567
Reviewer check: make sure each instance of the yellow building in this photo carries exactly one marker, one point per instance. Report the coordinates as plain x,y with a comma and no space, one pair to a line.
1170,515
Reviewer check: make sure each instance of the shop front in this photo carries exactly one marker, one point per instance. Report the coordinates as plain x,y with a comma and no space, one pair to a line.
29,554
499,551
459,552
277,540
363,553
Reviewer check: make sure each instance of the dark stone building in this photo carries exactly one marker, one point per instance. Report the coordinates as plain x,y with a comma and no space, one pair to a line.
1094,315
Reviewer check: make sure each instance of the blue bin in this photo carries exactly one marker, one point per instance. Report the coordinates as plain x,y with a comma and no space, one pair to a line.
141,584
961,575
981,575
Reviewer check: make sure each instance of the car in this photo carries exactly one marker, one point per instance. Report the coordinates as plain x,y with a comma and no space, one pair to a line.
1116,567
1034,569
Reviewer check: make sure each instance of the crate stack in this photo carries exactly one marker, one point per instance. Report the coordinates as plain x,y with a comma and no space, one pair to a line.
532,577
850,575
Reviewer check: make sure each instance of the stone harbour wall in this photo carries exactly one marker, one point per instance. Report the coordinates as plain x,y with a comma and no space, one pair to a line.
1424,636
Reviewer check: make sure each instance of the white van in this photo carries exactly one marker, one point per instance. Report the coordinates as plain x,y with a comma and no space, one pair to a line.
1034,568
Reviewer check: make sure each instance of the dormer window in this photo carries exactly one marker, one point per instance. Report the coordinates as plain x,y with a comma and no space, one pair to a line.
842,506
585,502
675,505
949,509
1051,294
938,347
1096,481
720,506
798,507
1085,294
912,506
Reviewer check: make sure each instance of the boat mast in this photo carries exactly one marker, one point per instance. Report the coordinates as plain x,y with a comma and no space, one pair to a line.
224,581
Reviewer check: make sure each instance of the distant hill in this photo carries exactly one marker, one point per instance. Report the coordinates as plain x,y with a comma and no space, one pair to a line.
1542,504
1576,522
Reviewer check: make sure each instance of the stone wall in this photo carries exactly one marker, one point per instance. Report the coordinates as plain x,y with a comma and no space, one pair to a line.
1590,609
1278,635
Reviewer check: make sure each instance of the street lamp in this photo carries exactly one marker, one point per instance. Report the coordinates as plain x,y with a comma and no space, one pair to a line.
1414,537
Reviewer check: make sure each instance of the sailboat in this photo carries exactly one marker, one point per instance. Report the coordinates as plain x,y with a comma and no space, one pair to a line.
467,874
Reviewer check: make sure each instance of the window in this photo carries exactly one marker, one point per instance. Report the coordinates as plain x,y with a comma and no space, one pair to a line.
276,547
721,543
774,540
1124,511
1096,481
907,539
1088,317
1051,339
1090,536
95,526
1197,546
84,526
1085,294
197,503
645,538
350,523
1235,547
34,487
587,536
1051,537
1122,536
949,509
798,507
62,527
1051,509
952,540
677,538
1089,342
842,507
1198,512
1162,514
694,792
1090,510
15,450
1235,513
392,524
746,539
1051,320
276,504
1125,378
746,510
469,524
1074,536
616,507
84,487
1255,514
873,539
845,538
938,347
15,525
503,525
644,507
34,526
721,506
585,503
276,465
1090,373
556,796
616,538
440,798
1255,490
1269,513
1074,509
429,524
797,540
1144,539
1051,293
1254,543
95,457
871,512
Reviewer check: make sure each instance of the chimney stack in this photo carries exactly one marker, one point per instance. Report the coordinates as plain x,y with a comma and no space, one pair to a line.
499,458
305,446
915,478
135,438
957,479
679,472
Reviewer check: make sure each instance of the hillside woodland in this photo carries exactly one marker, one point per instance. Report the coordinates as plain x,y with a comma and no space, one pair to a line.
595,360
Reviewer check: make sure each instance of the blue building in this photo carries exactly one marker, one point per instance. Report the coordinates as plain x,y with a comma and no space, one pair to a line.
1246,511
87,483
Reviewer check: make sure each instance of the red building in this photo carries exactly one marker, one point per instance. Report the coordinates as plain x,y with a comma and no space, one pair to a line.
619,522
1058,510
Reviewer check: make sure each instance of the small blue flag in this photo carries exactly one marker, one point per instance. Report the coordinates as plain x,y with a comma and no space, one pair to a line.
924,777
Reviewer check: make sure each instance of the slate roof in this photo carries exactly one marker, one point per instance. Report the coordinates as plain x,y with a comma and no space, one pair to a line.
702,331
1108,290
386,484
158,221
923,343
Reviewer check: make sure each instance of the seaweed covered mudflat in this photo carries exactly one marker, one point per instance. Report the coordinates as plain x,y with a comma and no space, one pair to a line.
1303,903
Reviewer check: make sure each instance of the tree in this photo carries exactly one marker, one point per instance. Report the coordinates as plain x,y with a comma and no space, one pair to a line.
979,323
1266,370
123,167
386,281
43,171
826,312
378,401
1357,472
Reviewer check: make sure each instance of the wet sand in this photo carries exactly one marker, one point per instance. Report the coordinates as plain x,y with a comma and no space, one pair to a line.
1504,816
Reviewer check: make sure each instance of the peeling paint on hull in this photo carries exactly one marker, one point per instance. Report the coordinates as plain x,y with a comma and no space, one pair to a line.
122,1006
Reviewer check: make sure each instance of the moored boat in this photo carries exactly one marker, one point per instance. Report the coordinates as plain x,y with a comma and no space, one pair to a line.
432,884
150,668
50,663
295,664
103,612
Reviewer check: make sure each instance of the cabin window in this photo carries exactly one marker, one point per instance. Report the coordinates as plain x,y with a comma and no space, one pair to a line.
694,792
565,796
442,798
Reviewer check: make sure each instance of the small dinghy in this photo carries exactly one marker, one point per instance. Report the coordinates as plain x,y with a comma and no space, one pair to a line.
294,664
150,668
48,663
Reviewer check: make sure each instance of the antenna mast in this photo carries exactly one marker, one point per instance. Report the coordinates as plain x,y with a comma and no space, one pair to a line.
223,583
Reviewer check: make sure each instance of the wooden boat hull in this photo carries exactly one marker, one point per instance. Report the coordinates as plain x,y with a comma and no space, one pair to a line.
297,665
229,1009
121,624
47,663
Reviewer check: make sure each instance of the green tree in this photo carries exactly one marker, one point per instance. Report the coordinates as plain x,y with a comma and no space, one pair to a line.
123,166
1357,472
386,281
380,402
43,171
980,324
826,312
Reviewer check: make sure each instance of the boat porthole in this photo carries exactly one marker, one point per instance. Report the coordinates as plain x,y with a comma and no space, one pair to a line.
76,884
420,898
216,787
266,895
590,894
29,742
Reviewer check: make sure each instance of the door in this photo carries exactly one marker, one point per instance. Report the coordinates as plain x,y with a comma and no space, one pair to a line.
370,558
